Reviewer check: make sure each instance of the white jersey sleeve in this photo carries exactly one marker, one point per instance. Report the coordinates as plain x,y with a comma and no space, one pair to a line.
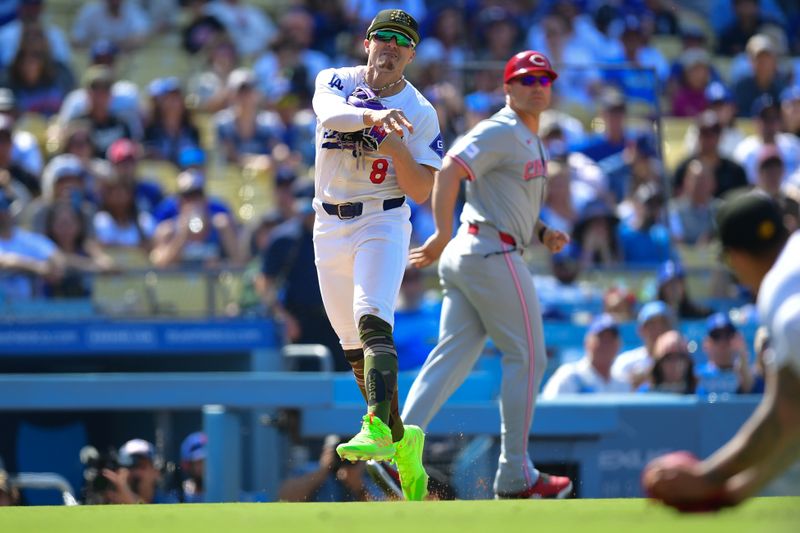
333,86
426,145
785,333
477,151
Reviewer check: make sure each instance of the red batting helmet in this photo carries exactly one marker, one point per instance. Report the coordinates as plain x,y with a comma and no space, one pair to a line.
525,62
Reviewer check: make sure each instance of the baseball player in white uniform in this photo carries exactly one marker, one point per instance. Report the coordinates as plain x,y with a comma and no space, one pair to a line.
488,288
378,141
764,257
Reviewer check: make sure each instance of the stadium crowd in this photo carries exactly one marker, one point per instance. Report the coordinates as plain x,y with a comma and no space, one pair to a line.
112,165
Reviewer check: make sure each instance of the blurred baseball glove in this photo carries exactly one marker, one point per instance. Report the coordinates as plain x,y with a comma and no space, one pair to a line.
368,139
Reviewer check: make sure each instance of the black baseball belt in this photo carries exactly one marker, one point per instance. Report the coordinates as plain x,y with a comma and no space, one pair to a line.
349,210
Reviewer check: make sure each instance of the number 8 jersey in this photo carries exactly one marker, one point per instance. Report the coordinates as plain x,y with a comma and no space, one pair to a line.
342,173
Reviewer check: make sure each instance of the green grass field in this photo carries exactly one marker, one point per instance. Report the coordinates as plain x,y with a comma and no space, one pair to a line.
773,515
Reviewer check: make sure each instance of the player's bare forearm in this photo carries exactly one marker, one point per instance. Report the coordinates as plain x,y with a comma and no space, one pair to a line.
769,440
415,180
445,192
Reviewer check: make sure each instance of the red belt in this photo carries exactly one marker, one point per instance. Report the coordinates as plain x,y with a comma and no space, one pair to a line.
474,229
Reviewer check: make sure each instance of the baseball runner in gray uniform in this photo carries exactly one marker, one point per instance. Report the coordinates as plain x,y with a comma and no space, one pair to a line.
488,288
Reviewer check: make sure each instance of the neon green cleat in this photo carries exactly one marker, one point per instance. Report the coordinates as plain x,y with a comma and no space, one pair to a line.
374,441
413,478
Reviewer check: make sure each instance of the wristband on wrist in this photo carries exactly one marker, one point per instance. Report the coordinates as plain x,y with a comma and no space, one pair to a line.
541,233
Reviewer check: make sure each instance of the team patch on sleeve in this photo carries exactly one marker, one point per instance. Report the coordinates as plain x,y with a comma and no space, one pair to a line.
438,145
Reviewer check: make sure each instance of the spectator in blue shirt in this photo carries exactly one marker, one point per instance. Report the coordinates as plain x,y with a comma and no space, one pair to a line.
612,142
170,127
193,461
645,239
288,284
727,370
416,321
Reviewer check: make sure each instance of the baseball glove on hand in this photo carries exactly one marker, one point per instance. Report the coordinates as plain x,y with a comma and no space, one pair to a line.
368,139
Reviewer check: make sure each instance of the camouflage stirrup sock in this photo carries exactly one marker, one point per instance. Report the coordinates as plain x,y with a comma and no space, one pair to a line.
356,360
380,364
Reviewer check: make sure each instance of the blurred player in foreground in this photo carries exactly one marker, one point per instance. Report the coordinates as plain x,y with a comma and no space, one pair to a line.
759,250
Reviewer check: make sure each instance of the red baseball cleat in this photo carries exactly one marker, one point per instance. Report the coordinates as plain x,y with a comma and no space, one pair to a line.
546,487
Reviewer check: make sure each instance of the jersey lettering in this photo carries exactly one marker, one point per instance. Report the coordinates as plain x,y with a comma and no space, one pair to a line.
534,169
336,83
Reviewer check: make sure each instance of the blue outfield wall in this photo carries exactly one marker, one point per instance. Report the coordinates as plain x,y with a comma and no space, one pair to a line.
607,440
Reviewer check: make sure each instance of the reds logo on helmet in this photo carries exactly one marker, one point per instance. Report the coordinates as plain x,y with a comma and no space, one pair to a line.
525,62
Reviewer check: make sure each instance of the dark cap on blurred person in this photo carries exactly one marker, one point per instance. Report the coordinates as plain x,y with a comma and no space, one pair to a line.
717,92
161,86
193,447
719,322
103,51
285,176
765,106
603,322
652,310
692,31
750,221
668,271
526,62
396,20
631,24
790,94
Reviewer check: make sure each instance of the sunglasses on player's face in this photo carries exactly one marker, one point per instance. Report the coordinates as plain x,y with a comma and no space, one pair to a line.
386,36
529,80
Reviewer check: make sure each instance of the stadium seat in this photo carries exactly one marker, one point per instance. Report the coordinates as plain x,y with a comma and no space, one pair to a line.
35,124
121,295
674,130
163,172
205,124
670,46
51,449
184,294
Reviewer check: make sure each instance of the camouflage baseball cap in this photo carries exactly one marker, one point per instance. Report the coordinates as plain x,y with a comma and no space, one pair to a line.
395,19
750,221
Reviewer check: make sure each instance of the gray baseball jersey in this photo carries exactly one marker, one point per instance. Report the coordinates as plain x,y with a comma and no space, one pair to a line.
506,168
488,289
